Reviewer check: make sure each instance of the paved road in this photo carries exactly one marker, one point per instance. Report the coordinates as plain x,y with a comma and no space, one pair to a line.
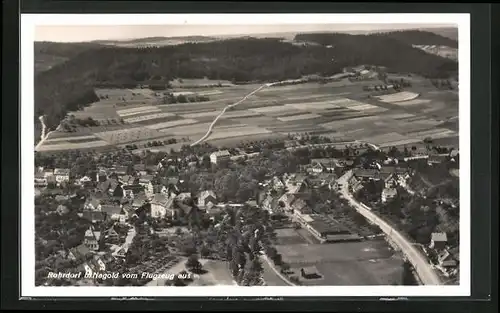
419,262
271,275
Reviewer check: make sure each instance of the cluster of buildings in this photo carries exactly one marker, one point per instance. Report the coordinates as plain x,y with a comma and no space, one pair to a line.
57,176
446,258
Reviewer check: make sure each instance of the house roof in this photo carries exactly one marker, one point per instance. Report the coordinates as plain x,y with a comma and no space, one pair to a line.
183,196
160,199
439,237
365,173
61,171
328,163
309,270
121,170
324,225
80,251
93,215
139,167
146,178
94,201
207,193
111,209
221,153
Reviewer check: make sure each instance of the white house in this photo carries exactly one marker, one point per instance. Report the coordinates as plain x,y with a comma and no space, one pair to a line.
438,241
92,204
207,198
91,239
160,204
219,156
62,175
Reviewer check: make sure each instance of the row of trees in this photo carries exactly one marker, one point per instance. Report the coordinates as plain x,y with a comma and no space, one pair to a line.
172,99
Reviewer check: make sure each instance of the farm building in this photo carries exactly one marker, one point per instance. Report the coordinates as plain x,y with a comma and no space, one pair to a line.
310,272
438,241
329,230
323,165
61,175
219,156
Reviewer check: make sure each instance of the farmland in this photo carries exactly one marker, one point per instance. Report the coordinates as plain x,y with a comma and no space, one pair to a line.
337,109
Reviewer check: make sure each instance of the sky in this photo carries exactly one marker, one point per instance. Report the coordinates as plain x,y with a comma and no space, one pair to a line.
80,33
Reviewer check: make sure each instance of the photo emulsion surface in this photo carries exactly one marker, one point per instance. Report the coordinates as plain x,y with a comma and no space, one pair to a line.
229,155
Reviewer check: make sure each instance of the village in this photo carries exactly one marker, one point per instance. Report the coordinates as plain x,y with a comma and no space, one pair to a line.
186,196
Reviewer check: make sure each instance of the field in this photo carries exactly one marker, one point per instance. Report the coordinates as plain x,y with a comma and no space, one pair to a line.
337,110
370,262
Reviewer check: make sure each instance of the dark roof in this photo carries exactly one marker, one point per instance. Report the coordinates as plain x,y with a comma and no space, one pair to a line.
365,173
327,226
94,215
160,199
139,167
80,251
343,237
111,209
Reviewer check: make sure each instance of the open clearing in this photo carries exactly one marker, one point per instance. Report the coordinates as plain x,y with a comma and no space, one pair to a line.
352,263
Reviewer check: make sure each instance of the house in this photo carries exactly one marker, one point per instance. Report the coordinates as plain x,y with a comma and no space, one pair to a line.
120,171
309,272
40,180
161,204
101,175
219,156
277,183
85,181
207,198
94,216
91,239
333,183
323,165
128,180
61,198
62,209
188,212
438,241
121,252
136,189
111,234
446,260
61,175
79,253
113,211
92,204
270,204
387,194
183,196
112,187
48,173
327,229
145,180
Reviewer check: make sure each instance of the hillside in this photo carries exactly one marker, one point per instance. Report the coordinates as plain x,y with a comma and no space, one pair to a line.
418,37
382,50
48,54
237,60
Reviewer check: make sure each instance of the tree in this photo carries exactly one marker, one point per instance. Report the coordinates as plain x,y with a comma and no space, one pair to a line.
193,264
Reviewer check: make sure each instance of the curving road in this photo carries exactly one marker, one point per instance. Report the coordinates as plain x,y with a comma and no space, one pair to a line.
210,128
419,262
44,135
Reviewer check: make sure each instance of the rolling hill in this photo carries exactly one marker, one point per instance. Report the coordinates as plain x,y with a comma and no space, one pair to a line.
69,85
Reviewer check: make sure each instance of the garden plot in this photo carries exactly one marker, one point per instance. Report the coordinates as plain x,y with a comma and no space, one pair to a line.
188,130
62,139
433,133
269,109
201,114
164,125
398,97
237,131
350,121
321,105
298,117
143,118
138,110
128,135
399,142
387,137
71,146
413,102
239,114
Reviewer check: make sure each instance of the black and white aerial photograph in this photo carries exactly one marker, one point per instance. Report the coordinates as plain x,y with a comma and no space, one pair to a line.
262,154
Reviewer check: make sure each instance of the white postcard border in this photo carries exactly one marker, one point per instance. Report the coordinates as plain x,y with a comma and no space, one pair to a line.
28,23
